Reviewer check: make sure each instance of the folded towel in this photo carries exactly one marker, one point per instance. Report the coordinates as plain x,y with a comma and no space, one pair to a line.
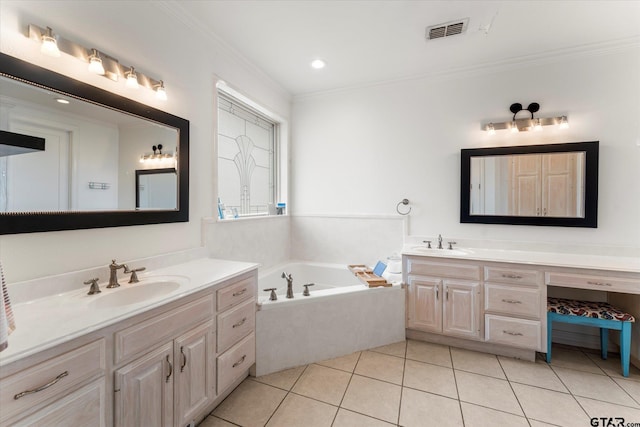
7,322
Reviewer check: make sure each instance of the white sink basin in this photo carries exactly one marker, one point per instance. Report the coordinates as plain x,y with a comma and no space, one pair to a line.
440,252
135,293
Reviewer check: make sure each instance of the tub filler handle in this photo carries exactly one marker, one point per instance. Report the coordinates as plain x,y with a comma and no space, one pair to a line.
306,292
273,296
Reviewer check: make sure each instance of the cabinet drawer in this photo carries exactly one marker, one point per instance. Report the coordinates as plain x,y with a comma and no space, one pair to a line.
598,283
519,301
164,327
50,379
443,269
235,361
512,276
513,332
236,323
235,293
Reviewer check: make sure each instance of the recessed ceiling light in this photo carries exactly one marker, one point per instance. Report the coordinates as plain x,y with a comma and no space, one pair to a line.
318,64
62,101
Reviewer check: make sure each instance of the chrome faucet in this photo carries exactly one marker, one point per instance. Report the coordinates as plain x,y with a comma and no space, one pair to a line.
439,241
113,274
289,280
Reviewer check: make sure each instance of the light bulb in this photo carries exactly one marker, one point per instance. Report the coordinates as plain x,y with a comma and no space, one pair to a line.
161,94
564,124
537,125
514,127
49,44
318,64
95,63
132,79
491,129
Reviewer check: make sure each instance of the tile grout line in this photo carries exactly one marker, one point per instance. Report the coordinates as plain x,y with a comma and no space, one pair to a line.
346,388
404,370
513,391
286,395
455,381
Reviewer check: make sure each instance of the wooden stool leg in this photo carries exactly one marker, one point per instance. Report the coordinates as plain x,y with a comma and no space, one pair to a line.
625,347
549,328
604,342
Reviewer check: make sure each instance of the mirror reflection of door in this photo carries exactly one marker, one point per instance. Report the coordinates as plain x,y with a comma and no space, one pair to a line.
37,181
156,188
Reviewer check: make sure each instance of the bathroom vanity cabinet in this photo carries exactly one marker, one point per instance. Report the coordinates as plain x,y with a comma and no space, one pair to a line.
444,297
168,366
496,301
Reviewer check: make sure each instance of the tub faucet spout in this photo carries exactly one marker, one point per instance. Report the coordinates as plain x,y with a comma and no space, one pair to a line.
289,280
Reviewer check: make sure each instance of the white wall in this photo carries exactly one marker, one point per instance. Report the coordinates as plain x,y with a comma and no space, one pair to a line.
363,150
159,41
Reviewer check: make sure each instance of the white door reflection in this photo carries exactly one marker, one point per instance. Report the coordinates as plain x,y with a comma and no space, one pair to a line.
156,189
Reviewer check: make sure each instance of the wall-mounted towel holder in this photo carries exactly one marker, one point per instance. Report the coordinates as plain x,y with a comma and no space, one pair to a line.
404,202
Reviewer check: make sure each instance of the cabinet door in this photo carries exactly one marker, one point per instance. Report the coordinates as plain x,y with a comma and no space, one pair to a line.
144,390
195,372
423,304
462,309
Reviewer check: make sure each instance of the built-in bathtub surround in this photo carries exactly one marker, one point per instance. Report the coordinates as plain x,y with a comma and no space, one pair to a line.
341,316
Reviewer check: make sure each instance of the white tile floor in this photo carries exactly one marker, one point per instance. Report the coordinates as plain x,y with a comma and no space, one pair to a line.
412,383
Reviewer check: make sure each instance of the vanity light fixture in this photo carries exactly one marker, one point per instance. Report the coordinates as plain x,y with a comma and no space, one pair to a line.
516,125
132,79
95,63
158,156
99,62
49,44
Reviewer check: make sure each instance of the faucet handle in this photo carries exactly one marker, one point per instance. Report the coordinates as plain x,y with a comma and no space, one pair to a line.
451,244
273,296
428,242
94,286
134,273
306,289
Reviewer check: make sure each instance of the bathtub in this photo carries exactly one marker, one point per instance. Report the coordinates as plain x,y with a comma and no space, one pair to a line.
341,316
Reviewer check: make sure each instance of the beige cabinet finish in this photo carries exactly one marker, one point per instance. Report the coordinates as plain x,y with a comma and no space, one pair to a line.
439,302
156,368
50,379
144,390
194,353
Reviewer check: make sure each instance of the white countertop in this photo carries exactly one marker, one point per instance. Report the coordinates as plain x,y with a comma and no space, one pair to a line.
51,320
552,259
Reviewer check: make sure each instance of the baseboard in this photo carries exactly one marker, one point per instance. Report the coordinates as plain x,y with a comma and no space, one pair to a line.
485,347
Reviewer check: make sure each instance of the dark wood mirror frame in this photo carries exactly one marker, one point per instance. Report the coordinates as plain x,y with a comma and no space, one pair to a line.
30,222
590,219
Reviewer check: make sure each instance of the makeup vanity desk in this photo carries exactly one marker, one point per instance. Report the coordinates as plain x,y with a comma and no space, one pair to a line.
495,300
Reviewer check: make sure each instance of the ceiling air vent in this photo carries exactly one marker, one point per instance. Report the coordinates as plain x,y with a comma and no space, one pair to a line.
445,30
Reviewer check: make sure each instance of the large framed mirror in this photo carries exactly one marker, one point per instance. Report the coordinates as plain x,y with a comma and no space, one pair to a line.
550,184
94,142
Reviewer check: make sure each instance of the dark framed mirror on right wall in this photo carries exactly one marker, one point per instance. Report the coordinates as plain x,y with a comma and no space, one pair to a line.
546,185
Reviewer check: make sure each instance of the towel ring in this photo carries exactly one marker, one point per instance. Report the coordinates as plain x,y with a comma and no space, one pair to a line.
403,202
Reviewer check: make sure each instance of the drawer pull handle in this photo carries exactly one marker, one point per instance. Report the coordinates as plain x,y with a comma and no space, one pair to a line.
237,294
599,283
184,359
511,276
170,369
239,362
515,334
42,387
511,301
240,323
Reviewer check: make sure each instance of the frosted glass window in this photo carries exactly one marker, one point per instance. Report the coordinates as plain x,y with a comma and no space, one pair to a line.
247,143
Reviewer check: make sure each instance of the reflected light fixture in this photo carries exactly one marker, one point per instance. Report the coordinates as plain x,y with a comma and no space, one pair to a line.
132,79
95,63
49,44
516,125
161,94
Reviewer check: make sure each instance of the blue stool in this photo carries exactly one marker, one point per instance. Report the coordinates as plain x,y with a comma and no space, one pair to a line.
598,314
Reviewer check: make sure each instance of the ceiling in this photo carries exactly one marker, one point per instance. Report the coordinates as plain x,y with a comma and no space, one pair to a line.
367,42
